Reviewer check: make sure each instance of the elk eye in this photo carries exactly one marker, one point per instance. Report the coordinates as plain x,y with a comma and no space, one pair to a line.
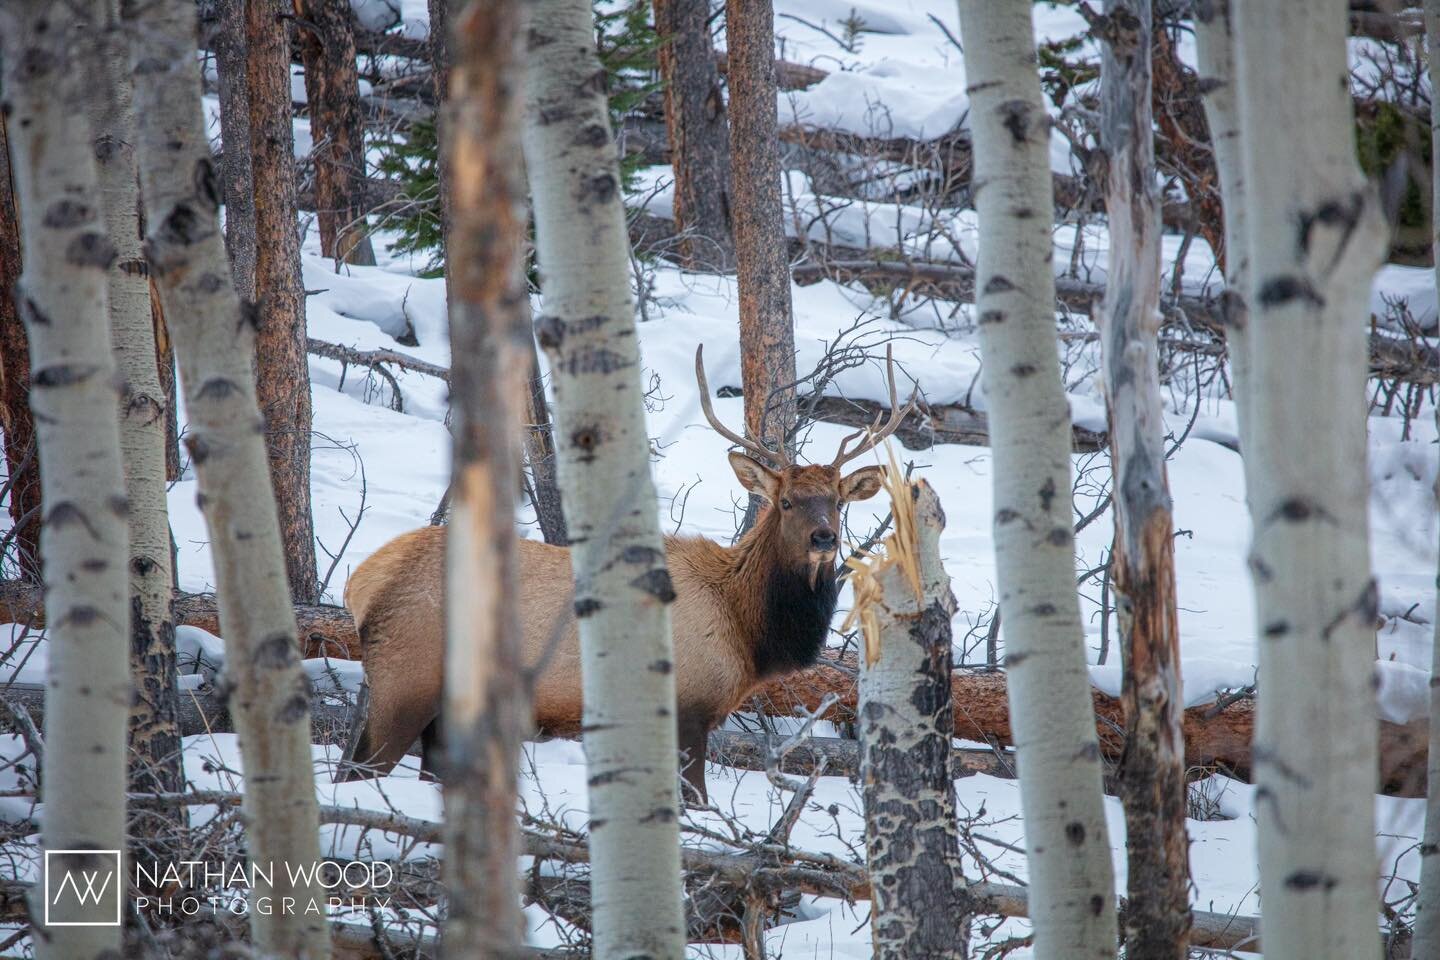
784,504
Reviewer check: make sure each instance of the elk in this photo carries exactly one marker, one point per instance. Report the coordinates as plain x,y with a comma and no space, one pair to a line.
742,614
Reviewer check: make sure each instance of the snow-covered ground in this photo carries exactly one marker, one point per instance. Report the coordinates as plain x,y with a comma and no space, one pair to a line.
902,70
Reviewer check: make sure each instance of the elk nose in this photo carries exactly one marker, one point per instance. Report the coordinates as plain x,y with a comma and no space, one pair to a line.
822,540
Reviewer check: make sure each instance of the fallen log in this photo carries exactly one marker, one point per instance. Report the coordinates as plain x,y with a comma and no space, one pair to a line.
1391,357
1216,739
325,630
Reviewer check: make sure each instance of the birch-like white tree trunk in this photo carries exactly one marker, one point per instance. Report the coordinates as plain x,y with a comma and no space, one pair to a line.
1427,916
622,587
62,297
1316,237
154,730
1215,56
919,903
1072,893
1152,772
486,706
269,696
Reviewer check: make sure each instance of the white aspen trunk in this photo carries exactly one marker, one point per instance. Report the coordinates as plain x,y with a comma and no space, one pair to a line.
1427,914
920,903
62,298
1316,237
1072,884
487,713
215,341
1152,771
154,730
622,588
1215,55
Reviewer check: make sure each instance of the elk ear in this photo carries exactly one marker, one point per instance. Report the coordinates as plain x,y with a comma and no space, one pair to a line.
756,477
860,485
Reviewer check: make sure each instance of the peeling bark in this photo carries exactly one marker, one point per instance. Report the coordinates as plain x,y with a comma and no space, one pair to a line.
1152,769
1316,236
622,588
62,296
214,340
282,370
487,710
922,907
332,91
1066,840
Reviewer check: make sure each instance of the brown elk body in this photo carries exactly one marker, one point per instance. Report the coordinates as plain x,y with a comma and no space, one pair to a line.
742,615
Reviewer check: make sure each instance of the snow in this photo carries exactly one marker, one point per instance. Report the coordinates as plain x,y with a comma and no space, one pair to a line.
901,76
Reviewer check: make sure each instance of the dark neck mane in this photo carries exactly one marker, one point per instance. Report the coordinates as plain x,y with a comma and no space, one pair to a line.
790,620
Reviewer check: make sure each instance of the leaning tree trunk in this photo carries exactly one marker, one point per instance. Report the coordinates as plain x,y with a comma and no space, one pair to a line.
1152,774
699,141
1316,237
622,588
22,465
1215,56
540,456
1427,915
214,340
282,370
332,91
144,411
487,710
767,331
920,906
236,178
1071,881
73,395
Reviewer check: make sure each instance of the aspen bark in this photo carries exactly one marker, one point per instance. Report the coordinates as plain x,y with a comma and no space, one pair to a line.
62,296
144,413
1071,879
214,340
696,128
1215,55
487,713
282,369
236,177
921,907
332,91
762,259
622,588
1316,237
1427,913
1152,773
22,463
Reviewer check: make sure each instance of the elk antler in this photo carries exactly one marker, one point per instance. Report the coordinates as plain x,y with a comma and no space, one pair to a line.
871,434
720,428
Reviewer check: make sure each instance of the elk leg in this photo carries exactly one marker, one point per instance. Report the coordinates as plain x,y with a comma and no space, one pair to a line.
431,752
391,726
694,736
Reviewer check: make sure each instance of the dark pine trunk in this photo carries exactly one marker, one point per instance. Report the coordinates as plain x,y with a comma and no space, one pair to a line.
332,88
22,465
767,334
236,181
699,141
282,371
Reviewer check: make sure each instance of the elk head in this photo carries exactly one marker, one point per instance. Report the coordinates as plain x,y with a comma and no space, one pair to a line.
808,498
